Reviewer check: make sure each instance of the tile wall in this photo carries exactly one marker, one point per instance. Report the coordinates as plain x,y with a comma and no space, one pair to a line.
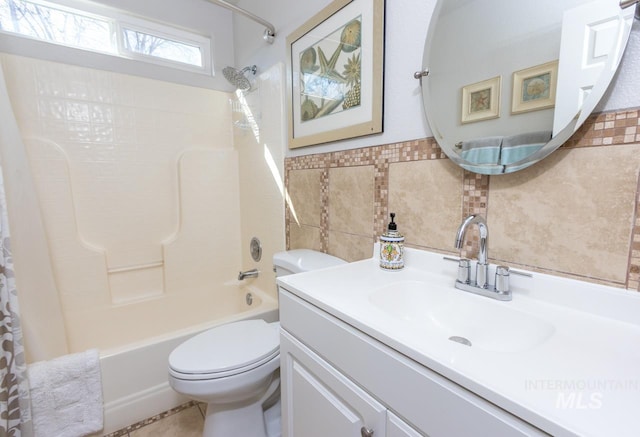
573,214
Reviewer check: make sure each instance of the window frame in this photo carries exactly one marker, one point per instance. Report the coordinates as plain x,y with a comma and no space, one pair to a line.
174,34
120,20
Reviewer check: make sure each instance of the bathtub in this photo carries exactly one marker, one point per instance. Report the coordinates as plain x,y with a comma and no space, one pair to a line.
134,377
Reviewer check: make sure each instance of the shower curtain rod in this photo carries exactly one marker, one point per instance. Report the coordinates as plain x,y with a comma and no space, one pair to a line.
269,32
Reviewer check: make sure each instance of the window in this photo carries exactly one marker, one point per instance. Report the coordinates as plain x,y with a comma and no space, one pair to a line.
139,40
150,45
56,25
122,36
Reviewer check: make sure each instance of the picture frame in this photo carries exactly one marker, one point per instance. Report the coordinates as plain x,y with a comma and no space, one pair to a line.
335,74
534,88
481,100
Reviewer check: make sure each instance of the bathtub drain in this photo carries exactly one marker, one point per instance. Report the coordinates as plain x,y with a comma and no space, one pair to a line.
249,299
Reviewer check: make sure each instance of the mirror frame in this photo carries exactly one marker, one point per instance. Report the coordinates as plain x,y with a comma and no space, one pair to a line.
605,78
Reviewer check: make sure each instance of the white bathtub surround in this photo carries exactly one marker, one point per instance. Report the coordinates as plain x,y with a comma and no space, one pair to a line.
258,138
140,187
130,175
66,395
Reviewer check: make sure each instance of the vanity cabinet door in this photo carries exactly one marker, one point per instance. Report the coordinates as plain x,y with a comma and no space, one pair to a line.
318,401
397,427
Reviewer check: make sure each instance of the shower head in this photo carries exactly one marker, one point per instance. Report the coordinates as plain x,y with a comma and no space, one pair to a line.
237,78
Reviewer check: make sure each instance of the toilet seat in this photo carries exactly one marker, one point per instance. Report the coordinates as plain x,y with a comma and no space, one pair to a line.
226,350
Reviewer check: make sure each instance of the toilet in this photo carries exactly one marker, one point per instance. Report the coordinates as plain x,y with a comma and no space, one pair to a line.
235,368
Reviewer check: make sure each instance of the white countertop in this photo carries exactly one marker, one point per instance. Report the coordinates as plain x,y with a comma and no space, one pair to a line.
580,377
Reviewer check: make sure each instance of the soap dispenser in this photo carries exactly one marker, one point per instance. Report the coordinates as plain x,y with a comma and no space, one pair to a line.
392,247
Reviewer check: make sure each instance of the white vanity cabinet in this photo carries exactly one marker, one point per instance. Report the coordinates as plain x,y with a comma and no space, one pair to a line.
397,427
339,382
319,401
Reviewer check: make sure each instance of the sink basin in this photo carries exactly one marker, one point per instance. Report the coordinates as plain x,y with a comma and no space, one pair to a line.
475,321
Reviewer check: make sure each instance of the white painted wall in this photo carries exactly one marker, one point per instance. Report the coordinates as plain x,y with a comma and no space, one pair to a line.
406,29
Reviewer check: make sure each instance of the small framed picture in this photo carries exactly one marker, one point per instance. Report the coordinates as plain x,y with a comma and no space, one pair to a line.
534,88
481,100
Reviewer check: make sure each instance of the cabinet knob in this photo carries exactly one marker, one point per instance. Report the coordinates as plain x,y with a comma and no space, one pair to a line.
366,432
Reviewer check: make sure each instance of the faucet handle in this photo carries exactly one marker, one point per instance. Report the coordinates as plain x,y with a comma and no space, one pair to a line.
464,271
502,279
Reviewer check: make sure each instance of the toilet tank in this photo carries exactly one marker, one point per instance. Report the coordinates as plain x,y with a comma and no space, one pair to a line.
302,260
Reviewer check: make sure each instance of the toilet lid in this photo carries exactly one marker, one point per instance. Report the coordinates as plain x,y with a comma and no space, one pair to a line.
227,348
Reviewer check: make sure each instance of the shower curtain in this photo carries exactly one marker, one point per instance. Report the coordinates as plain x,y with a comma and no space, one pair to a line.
15,408
42,320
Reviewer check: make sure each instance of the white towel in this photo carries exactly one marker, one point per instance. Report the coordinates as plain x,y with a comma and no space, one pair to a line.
66,395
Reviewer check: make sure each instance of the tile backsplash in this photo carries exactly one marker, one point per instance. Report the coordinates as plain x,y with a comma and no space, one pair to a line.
573,214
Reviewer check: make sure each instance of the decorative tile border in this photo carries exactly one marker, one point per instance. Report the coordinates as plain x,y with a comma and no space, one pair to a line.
633,275
124,432
287,209
307,162
604,129
475,199
324,214
380,197
608,129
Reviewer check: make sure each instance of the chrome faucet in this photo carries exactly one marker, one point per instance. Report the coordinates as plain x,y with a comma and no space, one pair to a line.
248,274
481,286
482,268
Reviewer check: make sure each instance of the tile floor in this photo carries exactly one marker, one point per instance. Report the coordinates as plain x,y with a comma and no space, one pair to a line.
187,420
184,421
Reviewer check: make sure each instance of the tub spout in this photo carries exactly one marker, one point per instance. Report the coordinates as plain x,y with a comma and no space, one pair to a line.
248,274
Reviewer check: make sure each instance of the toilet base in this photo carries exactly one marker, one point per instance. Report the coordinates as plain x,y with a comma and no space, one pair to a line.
273,419
246,421
239,419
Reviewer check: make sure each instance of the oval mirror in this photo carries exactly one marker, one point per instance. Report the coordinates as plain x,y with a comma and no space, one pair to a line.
510,81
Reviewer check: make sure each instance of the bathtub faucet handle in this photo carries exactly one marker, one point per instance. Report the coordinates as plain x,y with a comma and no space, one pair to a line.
248,274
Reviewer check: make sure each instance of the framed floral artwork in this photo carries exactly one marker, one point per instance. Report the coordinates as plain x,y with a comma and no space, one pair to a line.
481,100
334,74
534,88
